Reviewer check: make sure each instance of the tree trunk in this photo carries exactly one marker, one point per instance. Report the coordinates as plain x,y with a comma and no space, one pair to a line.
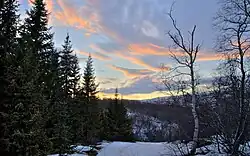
243,110
195,115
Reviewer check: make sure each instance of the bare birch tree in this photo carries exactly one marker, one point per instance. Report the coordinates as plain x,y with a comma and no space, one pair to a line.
233,21
222,111
184,54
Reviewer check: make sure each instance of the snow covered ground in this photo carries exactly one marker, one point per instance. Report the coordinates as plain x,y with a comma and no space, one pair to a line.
146,149
152,149
135,149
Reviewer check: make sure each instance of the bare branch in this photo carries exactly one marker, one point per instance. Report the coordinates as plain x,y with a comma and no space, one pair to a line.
234,20
181,43
187,60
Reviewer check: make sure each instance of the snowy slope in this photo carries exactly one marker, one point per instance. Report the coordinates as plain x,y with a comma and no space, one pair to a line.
151,129
149,149
135,149
154,149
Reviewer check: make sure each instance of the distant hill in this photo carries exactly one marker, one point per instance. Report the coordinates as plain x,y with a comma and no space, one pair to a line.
169,110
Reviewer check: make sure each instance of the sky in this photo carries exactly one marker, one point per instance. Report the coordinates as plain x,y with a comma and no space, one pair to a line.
128,42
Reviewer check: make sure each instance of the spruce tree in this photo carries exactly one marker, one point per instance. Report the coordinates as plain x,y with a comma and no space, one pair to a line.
64,106
103,131
57,127
9,19
67,64
75,76
118,126
75,103
38,39
27,136
32,96
89,110
89,89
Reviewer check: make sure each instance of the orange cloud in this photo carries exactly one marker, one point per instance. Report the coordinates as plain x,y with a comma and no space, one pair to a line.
151,49
70,16
129,58
139,62
95,55
131,73
126,57
210,57
89,20
113,35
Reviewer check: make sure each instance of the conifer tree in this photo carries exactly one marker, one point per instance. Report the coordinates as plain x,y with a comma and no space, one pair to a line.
75,103
38,39
67,64
27,134
118,126
89,89
9,26
9,19
76,76
89,110
64,105
31,84
57,127
104,127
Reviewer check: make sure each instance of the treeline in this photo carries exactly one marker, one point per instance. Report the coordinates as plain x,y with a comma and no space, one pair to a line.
46,105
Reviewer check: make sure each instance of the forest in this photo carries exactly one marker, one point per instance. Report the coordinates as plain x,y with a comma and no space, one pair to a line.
47,105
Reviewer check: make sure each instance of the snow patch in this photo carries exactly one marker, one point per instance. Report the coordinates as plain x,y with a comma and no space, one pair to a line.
132,149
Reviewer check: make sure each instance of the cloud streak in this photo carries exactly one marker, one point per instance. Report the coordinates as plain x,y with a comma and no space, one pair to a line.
131,73
152,49
139,62
71,17
95,55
